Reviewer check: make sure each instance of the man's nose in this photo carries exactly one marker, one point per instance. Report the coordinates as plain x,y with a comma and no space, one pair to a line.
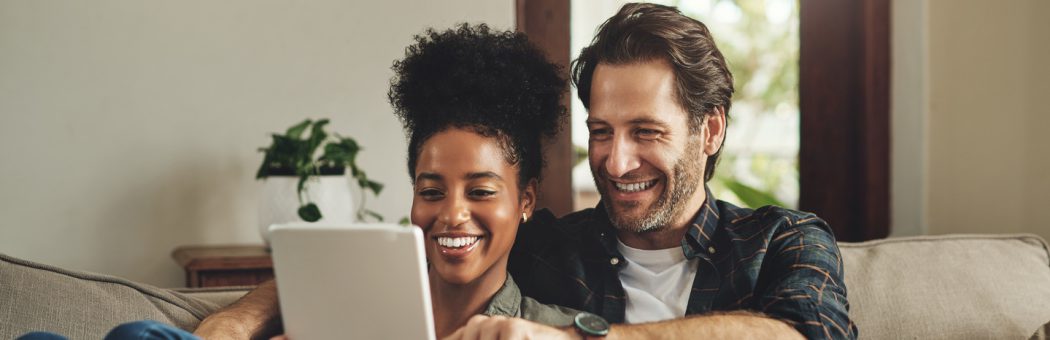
623,157
455,211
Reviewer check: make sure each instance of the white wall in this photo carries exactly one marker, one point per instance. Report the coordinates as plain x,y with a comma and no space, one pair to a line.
989,151
128,128
970,148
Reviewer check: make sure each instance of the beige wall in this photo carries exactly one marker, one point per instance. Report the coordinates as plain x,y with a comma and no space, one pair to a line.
128,128
989,149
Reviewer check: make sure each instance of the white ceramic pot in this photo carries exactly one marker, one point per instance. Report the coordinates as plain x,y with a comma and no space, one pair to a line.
279,202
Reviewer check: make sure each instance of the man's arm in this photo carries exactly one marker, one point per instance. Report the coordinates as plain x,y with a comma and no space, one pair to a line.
733,325
256,315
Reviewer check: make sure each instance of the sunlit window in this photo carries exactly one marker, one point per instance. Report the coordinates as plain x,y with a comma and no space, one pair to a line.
759,38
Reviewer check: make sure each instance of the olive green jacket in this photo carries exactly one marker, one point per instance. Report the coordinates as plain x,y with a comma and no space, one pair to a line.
509,302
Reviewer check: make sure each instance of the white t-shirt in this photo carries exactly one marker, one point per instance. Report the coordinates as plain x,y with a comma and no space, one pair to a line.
657,283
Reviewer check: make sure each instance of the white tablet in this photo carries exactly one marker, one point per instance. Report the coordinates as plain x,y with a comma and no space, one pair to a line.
345,281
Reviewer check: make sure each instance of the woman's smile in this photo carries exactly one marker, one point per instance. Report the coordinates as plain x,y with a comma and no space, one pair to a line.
456,245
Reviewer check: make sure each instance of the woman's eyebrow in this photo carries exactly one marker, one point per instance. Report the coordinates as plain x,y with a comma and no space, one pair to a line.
429,175
483,174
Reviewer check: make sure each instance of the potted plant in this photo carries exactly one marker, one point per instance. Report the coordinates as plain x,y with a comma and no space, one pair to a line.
315,164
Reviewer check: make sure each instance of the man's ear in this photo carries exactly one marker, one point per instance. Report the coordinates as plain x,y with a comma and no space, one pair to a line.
715,125
528,197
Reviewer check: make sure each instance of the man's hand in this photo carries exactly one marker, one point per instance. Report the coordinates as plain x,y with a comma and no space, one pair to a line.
481,327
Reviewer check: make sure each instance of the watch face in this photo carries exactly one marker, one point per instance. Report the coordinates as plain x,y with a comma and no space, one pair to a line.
591,324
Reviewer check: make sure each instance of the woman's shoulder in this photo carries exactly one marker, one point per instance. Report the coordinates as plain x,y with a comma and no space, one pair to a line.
547,314
552,315
508,301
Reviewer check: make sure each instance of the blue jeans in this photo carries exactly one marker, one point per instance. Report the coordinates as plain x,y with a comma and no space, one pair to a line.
146,329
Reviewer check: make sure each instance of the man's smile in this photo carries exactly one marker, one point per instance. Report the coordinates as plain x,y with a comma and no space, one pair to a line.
634,186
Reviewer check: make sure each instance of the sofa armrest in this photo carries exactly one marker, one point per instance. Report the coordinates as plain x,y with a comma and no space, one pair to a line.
948,286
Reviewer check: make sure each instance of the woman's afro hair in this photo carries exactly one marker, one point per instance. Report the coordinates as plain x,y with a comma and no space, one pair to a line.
495,83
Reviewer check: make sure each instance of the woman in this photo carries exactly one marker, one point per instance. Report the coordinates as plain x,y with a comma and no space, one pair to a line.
476,104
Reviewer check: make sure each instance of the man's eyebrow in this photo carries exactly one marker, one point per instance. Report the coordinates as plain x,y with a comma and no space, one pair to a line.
639,121
483,174
594,121
429,175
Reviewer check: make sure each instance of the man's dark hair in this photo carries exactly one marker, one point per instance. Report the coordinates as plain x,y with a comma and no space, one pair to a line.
496,84
646,32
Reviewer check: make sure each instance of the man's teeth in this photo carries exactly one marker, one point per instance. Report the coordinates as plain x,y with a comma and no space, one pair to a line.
456,242
634,187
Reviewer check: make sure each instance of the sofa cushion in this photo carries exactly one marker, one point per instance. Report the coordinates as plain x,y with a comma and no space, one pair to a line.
37,297
948,287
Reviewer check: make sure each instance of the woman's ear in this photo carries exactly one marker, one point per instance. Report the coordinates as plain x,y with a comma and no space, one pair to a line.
528,197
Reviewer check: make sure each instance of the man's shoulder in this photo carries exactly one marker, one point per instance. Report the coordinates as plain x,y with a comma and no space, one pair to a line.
573,224
578,219
770,219
545,232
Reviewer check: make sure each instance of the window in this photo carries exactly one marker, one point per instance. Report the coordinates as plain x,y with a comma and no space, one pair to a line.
760,40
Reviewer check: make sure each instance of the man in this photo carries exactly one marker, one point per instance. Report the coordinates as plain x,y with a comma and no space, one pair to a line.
659,257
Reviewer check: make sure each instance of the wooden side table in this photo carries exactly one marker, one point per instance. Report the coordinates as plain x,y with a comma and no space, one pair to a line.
227,265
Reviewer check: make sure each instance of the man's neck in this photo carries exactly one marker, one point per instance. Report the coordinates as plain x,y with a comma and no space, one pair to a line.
454,304
669,236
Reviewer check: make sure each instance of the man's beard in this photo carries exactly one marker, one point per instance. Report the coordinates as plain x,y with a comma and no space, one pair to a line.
687,176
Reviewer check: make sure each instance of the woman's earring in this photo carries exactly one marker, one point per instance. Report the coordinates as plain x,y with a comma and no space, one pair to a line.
524,218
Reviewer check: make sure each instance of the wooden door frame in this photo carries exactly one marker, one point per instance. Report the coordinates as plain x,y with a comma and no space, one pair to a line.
546,22
844,104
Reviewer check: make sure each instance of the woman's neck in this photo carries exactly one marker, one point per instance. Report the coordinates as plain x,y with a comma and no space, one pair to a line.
454,304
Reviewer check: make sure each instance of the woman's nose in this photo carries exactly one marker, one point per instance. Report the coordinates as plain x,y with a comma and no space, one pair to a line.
455,212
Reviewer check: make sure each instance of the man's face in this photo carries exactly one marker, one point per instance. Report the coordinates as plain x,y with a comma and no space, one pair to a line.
647,166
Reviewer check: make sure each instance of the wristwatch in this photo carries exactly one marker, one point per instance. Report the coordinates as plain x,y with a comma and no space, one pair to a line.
590,325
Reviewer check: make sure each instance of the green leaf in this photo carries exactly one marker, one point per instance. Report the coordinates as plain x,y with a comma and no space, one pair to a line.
317,136
404,221
342,152
370,213
750,196
375,186
310,212
296,130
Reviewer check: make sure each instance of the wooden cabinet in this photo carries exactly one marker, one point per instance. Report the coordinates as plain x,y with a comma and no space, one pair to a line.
225,265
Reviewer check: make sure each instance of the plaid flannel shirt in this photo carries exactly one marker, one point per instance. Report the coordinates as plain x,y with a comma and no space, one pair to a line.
778,262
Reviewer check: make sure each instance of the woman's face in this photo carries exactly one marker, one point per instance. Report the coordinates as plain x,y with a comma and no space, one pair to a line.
468,203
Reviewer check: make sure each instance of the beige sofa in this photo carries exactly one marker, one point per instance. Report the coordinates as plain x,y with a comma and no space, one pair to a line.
930,287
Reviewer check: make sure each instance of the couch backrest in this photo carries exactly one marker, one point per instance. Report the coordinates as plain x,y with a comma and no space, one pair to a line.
948,287
79,305
925,287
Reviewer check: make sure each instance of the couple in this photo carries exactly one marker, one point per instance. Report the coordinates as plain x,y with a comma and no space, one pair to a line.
659,257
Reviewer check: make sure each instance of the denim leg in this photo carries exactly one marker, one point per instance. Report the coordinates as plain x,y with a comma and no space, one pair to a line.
148,329
41,336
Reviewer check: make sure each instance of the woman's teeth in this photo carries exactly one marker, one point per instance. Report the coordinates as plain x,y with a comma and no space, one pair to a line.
456,242
634,187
